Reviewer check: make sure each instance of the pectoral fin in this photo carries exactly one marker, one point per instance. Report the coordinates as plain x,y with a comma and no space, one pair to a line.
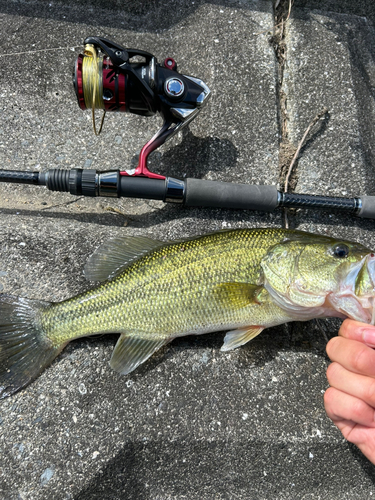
131,351
239,294
236,338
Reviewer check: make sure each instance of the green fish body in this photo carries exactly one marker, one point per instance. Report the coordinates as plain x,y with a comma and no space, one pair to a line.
241,280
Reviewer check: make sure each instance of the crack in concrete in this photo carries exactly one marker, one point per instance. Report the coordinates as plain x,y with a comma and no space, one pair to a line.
287,149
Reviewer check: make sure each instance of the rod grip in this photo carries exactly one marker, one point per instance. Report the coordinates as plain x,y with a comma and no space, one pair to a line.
202,193
367,210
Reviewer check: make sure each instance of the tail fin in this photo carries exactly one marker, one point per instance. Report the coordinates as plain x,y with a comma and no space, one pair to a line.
25,350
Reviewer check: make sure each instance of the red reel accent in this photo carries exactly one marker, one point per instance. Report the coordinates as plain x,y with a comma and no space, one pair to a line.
78,82
170,63
142,169
114,86
159,138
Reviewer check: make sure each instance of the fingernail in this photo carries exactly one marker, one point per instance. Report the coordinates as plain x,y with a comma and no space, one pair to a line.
368,336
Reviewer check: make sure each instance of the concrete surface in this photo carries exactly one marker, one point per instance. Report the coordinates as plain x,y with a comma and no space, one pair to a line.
331,64
192,422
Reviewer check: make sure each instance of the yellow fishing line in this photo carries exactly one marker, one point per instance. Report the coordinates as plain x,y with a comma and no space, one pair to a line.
92,82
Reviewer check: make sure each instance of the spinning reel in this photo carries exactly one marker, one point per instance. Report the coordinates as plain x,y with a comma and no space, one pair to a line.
112,78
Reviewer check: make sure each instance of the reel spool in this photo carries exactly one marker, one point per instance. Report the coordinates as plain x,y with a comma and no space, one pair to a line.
110,77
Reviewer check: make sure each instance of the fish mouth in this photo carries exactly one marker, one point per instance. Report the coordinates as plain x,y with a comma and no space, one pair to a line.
356,296
357,308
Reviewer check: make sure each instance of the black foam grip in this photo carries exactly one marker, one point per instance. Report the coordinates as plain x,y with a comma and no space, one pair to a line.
201,193
368,207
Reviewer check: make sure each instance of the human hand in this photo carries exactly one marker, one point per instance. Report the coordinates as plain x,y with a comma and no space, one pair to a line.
350,401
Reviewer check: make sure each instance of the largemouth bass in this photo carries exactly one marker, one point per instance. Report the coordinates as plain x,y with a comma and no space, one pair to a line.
241,281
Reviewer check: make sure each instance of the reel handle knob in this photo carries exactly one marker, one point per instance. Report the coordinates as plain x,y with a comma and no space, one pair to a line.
170,63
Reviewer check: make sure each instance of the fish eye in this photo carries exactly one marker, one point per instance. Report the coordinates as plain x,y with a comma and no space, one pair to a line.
340,250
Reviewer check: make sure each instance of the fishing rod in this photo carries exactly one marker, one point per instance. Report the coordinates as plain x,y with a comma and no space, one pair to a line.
112,78
190,192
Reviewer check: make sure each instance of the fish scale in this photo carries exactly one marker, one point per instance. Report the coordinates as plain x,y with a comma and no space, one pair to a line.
160,291
241,281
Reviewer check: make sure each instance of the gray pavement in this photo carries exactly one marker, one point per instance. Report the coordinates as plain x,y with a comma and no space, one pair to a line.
192,422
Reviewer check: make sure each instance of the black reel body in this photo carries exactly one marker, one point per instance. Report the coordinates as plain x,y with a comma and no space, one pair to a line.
131,80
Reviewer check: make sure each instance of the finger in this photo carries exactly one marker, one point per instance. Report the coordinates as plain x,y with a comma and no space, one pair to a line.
352,355
351,383
341,406
361,332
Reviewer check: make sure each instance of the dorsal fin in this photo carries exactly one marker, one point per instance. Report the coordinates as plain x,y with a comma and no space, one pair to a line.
114,255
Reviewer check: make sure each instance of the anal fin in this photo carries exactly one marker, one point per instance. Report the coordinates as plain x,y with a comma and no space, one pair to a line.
241,336
130,351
